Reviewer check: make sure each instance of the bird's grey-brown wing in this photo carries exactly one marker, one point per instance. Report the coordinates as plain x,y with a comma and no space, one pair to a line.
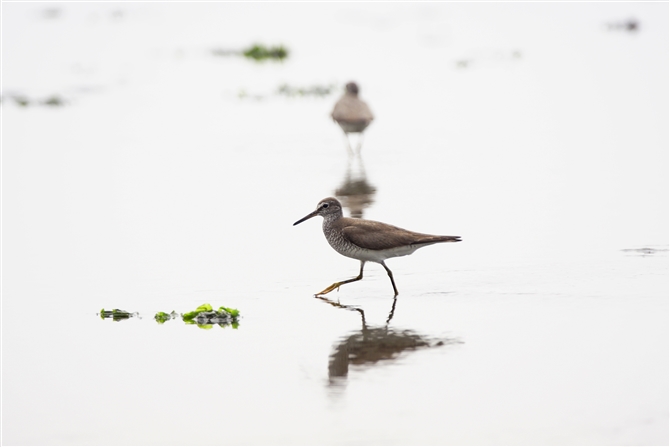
380,236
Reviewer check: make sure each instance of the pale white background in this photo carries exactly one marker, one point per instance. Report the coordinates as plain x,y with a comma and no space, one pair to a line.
158,188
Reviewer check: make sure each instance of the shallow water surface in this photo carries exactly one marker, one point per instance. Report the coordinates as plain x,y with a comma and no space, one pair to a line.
171,176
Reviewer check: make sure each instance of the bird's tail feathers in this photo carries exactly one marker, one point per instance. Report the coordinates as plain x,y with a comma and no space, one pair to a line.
436,239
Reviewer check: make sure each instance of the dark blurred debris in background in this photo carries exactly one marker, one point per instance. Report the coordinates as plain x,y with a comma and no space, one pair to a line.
631,25
313,90
23,100
51,13
225,52
292,91
54,101
645,251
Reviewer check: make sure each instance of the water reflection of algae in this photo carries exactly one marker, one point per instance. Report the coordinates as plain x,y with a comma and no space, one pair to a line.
371,345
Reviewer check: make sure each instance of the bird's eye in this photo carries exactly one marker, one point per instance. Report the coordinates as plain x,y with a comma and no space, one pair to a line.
325,205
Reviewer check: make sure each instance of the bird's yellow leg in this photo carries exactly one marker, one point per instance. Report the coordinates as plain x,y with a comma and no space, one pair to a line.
338,284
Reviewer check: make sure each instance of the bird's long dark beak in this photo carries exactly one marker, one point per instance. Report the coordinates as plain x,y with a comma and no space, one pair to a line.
309,216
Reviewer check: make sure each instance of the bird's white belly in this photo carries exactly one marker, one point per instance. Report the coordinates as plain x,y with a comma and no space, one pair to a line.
377,255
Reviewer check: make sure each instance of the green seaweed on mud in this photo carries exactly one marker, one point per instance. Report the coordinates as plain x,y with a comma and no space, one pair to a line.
233,312
190,316
205,317
116,314
162,317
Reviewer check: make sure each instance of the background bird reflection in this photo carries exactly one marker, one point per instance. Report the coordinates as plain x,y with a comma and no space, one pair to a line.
356,193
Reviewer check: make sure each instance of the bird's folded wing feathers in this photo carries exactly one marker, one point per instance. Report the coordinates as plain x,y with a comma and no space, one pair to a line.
378,236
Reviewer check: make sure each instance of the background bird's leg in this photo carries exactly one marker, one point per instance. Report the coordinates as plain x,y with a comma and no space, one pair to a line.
350,150
359,143
390,276
338,284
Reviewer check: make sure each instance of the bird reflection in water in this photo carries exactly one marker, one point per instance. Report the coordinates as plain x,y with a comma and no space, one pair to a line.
373,344
355,192
353,115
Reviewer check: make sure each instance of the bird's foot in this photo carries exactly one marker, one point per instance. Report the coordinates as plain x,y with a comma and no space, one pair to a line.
329,289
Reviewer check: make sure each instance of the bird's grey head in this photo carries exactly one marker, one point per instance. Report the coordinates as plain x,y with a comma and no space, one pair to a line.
352,88
328,208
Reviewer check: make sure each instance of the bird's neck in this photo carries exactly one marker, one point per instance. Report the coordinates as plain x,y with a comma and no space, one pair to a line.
330,219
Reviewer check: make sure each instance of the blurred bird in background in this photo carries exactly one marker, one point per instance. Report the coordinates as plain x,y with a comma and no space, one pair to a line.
351,113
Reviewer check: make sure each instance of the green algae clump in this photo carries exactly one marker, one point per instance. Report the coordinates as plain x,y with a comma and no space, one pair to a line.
162,317
116,314
205,317
260,52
